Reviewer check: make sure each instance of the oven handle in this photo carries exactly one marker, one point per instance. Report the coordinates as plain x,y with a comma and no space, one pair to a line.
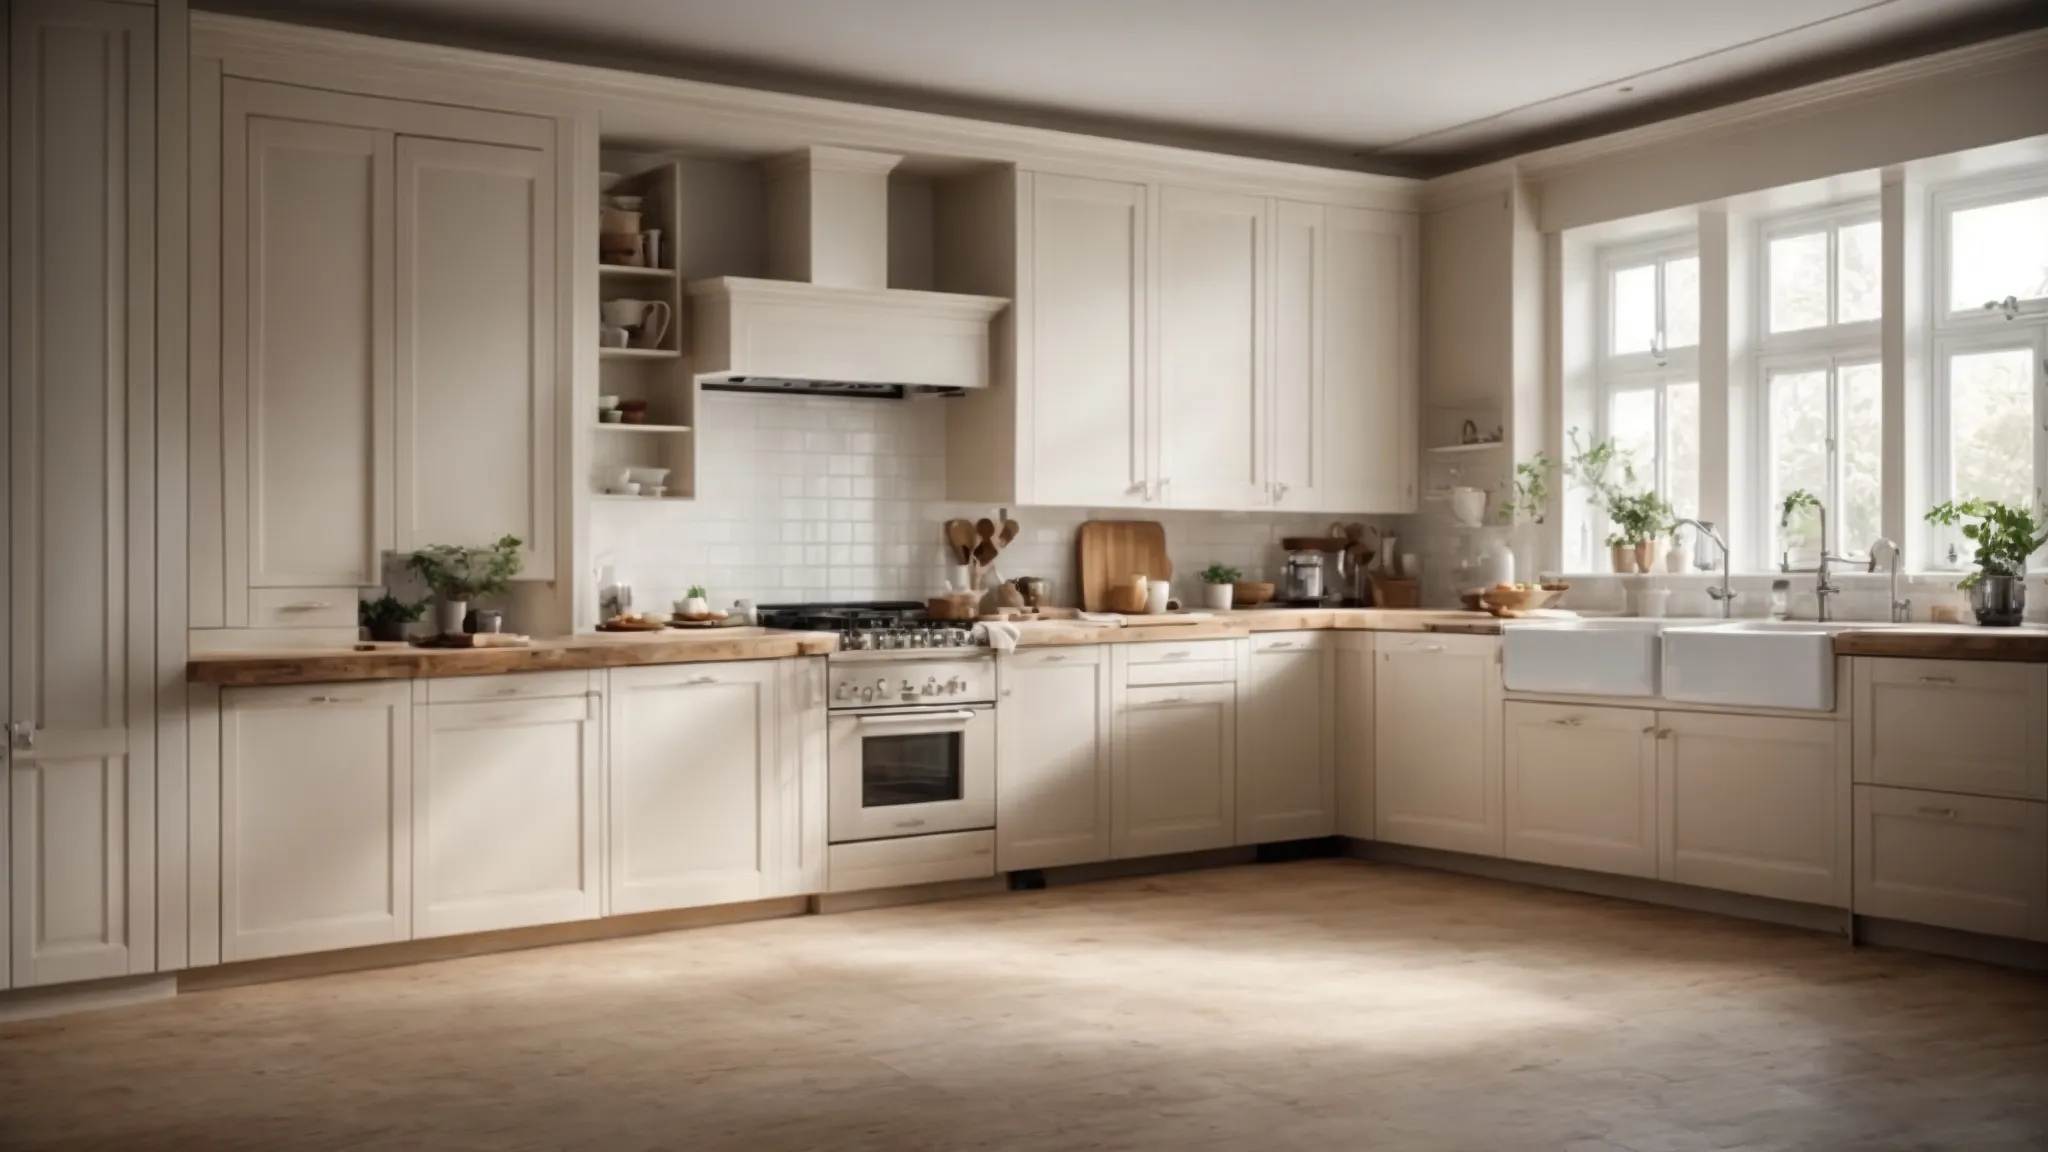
915,717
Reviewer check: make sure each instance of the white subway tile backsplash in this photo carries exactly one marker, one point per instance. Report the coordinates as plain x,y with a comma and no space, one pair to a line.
819,498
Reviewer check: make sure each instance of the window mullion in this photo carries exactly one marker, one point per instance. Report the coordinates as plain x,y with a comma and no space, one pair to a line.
1835,485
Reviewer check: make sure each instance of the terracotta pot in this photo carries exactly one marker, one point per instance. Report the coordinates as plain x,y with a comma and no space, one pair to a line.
1649,555
1623,558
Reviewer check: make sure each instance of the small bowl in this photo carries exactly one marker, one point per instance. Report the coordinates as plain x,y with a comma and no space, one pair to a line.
655,490
607,403
648,477
1246,593
627,489
610,416
606,181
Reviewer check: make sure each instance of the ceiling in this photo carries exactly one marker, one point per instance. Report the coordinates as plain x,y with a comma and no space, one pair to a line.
1384,85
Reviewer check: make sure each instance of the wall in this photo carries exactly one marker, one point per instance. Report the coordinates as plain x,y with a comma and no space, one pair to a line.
822,498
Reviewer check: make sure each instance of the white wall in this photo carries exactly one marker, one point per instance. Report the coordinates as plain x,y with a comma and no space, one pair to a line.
822,498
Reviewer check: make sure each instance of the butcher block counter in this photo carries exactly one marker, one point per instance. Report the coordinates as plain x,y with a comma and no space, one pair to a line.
604,650
1246,621
2027,644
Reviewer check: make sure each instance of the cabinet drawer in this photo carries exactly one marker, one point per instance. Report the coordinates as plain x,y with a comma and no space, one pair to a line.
1437,643
511,686
1967,862
1075,656
302,608
1953,726
1189,672
1174,652
510,713
911,860
1287,641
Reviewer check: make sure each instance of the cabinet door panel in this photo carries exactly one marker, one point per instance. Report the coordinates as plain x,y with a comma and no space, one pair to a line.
1437,768
1088,405
1370,377
693,770
1953,725
1286,784
475,347
1053,759
505,815
78,437
1212,254
1968,862
1175,770
306,368
1295,395
1353,672
316,825
1755,805
1581,787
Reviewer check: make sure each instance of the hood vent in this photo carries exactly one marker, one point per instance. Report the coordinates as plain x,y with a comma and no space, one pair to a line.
828,322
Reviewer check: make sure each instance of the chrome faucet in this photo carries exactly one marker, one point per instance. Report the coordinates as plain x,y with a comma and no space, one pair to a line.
1724,595
1902,610
1824,585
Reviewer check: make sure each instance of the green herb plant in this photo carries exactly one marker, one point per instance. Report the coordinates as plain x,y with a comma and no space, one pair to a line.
696,592
1528,495
1221,574
1608,473
458,573
2004,535
388,609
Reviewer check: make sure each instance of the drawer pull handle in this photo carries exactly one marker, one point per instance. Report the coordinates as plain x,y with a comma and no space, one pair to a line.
702,680
1663,733
307,606
1177,655
1280,644
1165,700
508,691
327,700
1937,679
1570,722
1054,658
1939,813
1431,648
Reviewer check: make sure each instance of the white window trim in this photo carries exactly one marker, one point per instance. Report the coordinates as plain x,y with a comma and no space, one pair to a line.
1832,335
1639,371
2001,334
1948,199
1832,363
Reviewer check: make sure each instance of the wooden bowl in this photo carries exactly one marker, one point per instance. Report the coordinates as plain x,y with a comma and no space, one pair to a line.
1247,593
954,606
1514,602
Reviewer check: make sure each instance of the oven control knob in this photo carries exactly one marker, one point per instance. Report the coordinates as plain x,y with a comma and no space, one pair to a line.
882,686
909,689
867,695
843,691
956,684
931,686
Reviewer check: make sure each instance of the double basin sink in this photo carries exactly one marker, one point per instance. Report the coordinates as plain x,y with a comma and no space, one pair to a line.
1759,663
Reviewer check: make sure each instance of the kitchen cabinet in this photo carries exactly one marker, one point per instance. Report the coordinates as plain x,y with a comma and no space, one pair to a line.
388,362
1053,737
316,818
1174,770
1352,667
1286,737
1212,378
77,588
696,780
1754,804
1437,742
1974,863
506,811
1967,726
1581,787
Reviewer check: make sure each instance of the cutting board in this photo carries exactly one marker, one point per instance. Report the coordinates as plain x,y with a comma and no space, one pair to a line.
1110,552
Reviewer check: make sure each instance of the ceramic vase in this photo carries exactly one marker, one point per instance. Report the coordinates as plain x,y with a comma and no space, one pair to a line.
448,616
1216,597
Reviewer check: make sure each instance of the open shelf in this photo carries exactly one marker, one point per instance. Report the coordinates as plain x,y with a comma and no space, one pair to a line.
622,426
1482,446
666,496
638,354
635,272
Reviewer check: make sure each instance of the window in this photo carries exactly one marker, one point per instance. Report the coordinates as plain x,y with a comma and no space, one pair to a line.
1821,290
1649,374
1990,382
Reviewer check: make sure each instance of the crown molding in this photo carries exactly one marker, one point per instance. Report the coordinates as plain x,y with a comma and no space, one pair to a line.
706,115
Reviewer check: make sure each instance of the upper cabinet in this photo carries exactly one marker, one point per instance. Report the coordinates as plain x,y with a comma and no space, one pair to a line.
389,370
1173,347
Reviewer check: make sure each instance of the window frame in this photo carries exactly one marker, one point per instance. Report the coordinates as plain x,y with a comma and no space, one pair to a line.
1640,371
1832,363
1833,334
1961,196
2031,334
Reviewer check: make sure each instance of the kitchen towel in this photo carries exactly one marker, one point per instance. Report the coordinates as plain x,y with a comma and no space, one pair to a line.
1001,636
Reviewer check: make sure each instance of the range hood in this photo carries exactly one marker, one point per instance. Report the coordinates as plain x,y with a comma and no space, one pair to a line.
828,322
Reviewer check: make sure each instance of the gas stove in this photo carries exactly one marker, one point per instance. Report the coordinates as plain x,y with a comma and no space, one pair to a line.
877,627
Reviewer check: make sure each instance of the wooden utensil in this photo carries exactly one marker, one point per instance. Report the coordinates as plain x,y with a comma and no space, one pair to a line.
986,551
1110,552
960,534
1008,533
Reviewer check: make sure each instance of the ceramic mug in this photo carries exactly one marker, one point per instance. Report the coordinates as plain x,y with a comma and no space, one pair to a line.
1158,597
647,318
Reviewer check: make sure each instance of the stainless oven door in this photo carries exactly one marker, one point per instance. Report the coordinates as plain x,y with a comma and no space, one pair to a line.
911,771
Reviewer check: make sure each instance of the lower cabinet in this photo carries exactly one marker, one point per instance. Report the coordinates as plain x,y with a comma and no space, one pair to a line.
1174,770
1437,742
1286,770
1351,671
1975,863
1581,787
506,814
1754,804
1053,735
316,822
696,775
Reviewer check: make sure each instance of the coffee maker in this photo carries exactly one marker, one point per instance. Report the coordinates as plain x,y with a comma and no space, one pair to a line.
1301,580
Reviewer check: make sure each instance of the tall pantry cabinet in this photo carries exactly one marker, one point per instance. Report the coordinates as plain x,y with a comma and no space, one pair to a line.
78,492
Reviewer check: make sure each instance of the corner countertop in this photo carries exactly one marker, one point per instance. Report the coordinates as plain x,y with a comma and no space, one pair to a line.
570,653
2026,644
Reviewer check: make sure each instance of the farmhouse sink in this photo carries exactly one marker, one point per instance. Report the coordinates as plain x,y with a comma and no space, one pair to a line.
1582,657
1761,663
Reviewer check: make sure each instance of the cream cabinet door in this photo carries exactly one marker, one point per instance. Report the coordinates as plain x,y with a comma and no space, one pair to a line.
1581,787
1053,736
1293,404
1286,737
316,818
1369,416
1352,668
306,349
475,379
1973,863
1212,344
1087,408
1175,770
694,781
78,431
1953,726
505,814
1754,804
1437,761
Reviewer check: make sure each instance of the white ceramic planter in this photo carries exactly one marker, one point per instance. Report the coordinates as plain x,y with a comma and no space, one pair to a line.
1216,597
448,616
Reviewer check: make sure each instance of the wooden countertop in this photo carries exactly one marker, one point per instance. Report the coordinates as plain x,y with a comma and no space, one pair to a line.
599,650
2028,644
1245,621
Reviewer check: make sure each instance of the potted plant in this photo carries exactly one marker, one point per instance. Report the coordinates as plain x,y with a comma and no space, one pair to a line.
387,616
1641,521
457,575
1526,501
694,606
1219,581
2005,536
1638,520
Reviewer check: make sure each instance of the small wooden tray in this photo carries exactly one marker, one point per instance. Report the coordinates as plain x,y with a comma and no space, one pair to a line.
476,640
620,625
680,622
